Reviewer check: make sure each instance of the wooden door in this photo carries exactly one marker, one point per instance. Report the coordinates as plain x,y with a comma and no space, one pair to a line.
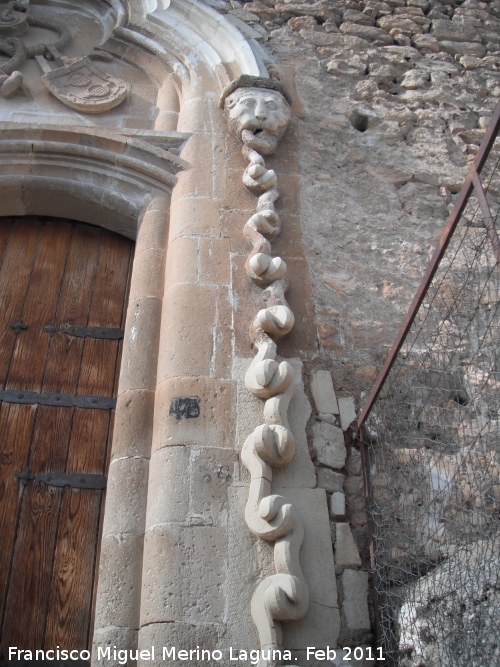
63,290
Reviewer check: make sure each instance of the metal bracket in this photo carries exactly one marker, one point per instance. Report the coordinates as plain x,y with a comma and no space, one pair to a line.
107,333
76,480
18,326
57,400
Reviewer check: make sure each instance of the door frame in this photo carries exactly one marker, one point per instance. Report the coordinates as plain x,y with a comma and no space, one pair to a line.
128,194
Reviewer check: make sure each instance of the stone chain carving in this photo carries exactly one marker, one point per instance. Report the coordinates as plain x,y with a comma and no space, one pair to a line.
258,115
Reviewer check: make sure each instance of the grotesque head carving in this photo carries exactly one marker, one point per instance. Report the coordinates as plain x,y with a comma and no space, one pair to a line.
258,117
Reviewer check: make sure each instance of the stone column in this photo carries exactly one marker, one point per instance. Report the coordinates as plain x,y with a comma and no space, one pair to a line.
185,552
119,587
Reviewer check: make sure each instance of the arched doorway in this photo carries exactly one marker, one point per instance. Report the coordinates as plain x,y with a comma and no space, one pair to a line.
63,294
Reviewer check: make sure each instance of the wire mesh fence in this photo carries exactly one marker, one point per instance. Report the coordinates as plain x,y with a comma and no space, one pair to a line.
432,448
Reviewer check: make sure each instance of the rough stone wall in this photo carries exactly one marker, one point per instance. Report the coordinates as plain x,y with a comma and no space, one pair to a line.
392,100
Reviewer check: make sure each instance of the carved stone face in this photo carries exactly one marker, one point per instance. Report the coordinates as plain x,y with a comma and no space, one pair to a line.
258,117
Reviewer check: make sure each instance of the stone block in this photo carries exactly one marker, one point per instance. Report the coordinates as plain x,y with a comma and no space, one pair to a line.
330,481
125,638
140,344
152,230
353,467
321,623
329,445
119,587
346,551
133,428
176,426
324,393
184,575
188,321
223,334
182,261
211,474
329,419
337,505
426,43
12,202
347,412
215,261
148,274
453,31
369,33
168,502
355,606
320,627
187,636
474,49
126,497
194,215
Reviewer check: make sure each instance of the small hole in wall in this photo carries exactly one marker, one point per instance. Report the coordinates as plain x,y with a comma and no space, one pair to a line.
460,397
359,121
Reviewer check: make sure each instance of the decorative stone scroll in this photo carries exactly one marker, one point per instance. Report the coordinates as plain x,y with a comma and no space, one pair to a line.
258,112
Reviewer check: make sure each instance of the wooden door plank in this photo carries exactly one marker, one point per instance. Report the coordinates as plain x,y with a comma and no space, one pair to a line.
16,427
70,604
88,450
99,358
111,284
30,351
15,273
29,586
65,351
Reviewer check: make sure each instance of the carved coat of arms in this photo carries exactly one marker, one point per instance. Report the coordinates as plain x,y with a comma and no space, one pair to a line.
83,86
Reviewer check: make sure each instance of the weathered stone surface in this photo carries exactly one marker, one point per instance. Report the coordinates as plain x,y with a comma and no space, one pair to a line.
329,445
125,497
319,38
346,551
347,411
316,9
388,174
119,590
337,505
330,481
453,31
463,48
337,66
415,79
197,596
355,606
399,23
425,43
173,426
371,34
324,393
